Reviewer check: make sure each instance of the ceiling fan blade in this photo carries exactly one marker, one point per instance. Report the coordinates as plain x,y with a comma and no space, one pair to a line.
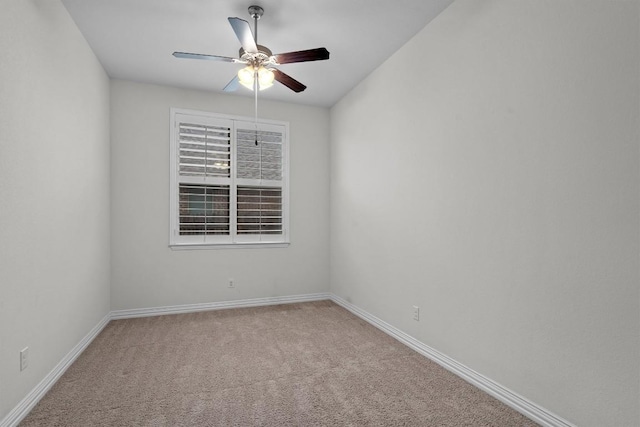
318,54
188,55
288,81
244,34
232,86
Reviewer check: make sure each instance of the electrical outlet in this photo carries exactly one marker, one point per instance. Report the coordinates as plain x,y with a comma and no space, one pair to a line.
24,358
416,313
232,283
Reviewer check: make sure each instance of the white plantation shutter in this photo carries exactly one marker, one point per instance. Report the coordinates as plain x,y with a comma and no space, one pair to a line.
205,150
262,160
259,171
259,210
204,209
226,188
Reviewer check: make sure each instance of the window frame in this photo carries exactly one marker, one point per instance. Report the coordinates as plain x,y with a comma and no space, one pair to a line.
233,240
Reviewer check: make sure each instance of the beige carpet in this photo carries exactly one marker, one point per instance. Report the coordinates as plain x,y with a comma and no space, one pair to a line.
311,364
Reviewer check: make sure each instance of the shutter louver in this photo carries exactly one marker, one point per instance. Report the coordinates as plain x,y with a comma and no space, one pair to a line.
204,150
262,161
259,210
204,209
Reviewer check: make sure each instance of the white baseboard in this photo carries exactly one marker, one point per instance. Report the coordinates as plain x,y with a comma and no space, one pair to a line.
503,394
18,413
192,308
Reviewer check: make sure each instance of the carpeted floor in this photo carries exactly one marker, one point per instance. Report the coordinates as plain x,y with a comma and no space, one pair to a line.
310,364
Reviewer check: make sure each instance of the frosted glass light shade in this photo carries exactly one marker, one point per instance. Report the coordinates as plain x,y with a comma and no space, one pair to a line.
245,75
265,78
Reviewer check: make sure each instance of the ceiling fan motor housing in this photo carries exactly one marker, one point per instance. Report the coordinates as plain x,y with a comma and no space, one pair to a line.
262,57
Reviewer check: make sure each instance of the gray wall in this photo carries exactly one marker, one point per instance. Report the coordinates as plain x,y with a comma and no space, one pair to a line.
54,192
145,271
489,173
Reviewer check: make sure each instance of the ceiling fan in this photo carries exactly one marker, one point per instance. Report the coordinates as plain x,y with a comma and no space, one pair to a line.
261,70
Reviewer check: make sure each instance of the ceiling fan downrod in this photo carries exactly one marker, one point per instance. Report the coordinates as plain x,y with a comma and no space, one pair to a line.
256,13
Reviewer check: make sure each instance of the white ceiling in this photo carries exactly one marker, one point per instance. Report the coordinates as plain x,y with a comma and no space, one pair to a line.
134,39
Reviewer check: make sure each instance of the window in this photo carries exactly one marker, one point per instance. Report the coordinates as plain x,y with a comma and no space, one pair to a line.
229,181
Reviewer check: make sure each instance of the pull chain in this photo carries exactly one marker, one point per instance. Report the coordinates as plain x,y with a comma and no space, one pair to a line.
256,16
255,92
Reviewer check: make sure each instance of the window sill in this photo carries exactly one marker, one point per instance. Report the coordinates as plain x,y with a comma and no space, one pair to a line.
206,246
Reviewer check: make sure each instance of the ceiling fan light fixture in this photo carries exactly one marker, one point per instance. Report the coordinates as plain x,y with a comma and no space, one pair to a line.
247,75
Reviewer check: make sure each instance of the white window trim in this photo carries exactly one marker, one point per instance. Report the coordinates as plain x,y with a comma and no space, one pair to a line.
177,242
